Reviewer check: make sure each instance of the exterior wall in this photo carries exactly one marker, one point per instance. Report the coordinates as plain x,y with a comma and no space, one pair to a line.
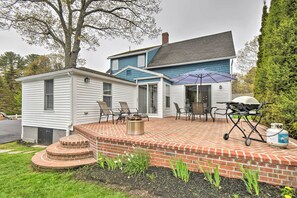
33,113
57,134
86,109
30,134
126,61
134,74
217,95
151,54
219,66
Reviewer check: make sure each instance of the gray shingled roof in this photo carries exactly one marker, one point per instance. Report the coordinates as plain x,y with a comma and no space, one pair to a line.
198,49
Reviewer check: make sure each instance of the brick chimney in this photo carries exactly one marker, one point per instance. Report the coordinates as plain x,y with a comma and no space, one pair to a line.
165,38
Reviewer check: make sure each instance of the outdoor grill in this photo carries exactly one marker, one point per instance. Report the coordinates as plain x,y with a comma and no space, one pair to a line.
244,107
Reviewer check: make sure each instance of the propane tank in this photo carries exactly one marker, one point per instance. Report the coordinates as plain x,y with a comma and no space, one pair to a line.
277,136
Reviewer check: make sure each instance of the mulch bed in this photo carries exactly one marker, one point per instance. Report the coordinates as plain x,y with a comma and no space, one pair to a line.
164,184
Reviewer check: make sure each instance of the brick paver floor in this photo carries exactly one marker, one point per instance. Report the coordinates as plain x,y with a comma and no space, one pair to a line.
195,135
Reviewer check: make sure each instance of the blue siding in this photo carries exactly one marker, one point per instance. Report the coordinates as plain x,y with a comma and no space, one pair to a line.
219,66
149,80
151,54
134,74
127,61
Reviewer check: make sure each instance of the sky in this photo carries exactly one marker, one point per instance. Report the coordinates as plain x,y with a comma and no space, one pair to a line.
183,20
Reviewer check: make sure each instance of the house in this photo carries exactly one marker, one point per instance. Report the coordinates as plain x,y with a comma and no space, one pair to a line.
52,103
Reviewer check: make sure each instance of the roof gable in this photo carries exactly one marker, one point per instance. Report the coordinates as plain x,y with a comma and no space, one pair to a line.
217,46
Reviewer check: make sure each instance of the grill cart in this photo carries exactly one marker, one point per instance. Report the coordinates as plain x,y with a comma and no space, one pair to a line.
243,107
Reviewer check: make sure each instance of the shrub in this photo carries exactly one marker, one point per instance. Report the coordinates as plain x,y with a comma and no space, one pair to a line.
136,162
213,180
180,170
250,179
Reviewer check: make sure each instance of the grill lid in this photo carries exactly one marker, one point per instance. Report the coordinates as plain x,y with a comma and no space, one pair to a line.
248,100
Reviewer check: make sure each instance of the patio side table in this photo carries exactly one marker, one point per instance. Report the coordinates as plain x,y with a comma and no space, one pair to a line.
135,127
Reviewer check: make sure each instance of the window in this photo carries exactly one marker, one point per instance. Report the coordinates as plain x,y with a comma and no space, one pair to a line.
141,61
107,96
115,64
167,90
128,72
49,94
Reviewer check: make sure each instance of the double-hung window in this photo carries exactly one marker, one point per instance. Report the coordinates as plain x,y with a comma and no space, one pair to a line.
49,94
114,64
167,90
141,61
107,94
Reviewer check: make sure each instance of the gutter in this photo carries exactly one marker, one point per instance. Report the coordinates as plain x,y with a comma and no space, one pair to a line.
71,105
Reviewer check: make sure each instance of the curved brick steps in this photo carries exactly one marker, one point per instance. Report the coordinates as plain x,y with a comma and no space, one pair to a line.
74,141
41,161
57,151
70,152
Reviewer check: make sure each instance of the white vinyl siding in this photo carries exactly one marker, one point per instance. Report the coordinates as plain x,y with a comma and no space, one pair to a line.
33,113
86,109
114,64
141,61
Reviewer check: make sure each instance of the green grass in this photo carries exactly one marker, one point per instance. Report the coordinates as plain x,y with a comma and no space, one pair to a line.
17,147
18,179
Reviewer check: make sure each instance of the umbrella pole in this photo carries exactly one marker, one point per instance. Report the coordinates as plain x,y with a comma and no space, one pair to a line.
200,89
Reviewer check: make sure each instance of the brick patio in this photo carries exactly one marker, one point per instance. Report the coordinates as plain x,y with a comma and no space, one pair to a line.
197,142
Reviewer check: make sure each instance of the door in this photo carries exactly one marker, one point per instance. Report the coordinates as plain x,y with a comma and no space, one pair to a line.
142,98
206,95
45,136
148,98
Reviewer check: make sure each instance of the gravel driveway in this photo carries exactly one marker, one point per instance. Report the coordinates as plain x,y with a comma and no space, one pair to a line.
10,130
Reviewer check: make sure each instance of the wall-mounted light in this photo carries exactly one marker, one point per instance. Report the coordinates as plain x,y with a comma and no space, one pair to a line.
220,87
87,80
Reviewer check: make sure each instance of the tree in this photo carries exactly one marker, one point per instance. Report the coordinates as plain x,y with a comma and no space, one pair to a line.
247,57
276,79
11,59
72,24
41,64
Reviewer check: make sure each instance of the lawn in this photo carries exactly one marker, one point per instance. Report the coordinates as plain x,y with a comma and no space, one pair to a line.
18,179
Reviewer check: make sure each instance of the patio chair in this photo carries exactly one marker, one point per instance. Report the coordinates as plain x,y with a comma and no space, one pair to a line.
105,111
180,111
220,111
198,109
126,111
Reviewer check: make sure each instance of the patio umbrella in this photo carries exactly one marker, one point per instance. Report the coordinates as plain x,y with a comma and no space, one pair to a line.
202,76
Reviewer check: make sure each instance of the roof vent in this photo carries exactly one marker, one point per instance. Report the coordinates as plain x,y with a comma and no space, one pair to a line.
165,38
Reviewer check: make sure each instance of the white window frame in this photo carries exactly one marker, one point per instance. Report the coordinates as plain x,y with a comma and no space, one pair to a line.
141,60
115,64
107,95
48,94
167,94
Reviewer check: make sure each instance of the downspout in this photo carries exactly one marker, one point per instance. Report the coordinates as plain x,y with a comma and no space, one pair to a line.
71,105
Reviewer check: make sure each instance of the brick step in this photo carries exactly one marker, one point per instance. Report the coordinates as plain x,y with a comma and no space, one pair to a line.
41,161
74,141
57,151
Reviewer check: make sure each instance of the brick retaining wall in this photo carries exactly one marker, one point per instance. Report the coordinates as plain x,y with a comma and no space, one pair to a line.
272,171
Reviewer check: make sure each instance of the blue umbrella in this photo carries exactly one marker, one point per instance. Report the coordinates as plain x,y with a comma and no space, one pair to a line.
202,76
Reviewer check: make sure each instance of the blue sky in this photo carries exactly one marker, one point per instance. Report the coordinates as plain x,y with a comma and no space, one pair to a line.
181,19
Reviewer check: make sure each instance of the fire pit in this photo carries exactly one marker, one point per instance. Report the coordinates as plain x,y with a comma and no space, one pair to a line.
135,125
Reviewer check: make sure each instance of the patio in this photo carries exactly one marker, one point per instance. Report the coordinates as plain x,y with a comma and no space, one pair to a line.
197,142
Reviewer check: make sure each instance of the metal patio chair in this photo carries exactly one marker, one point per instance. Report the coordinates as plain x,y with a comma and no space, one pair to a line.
105,111
180,111
126,111
198,109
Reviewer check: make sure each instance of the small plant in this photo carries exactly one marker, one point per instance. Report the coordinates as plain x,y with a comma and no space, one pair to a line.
235,195
152,176
136,162
250,179
180,170
213,180
287,192
111,164
101,160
